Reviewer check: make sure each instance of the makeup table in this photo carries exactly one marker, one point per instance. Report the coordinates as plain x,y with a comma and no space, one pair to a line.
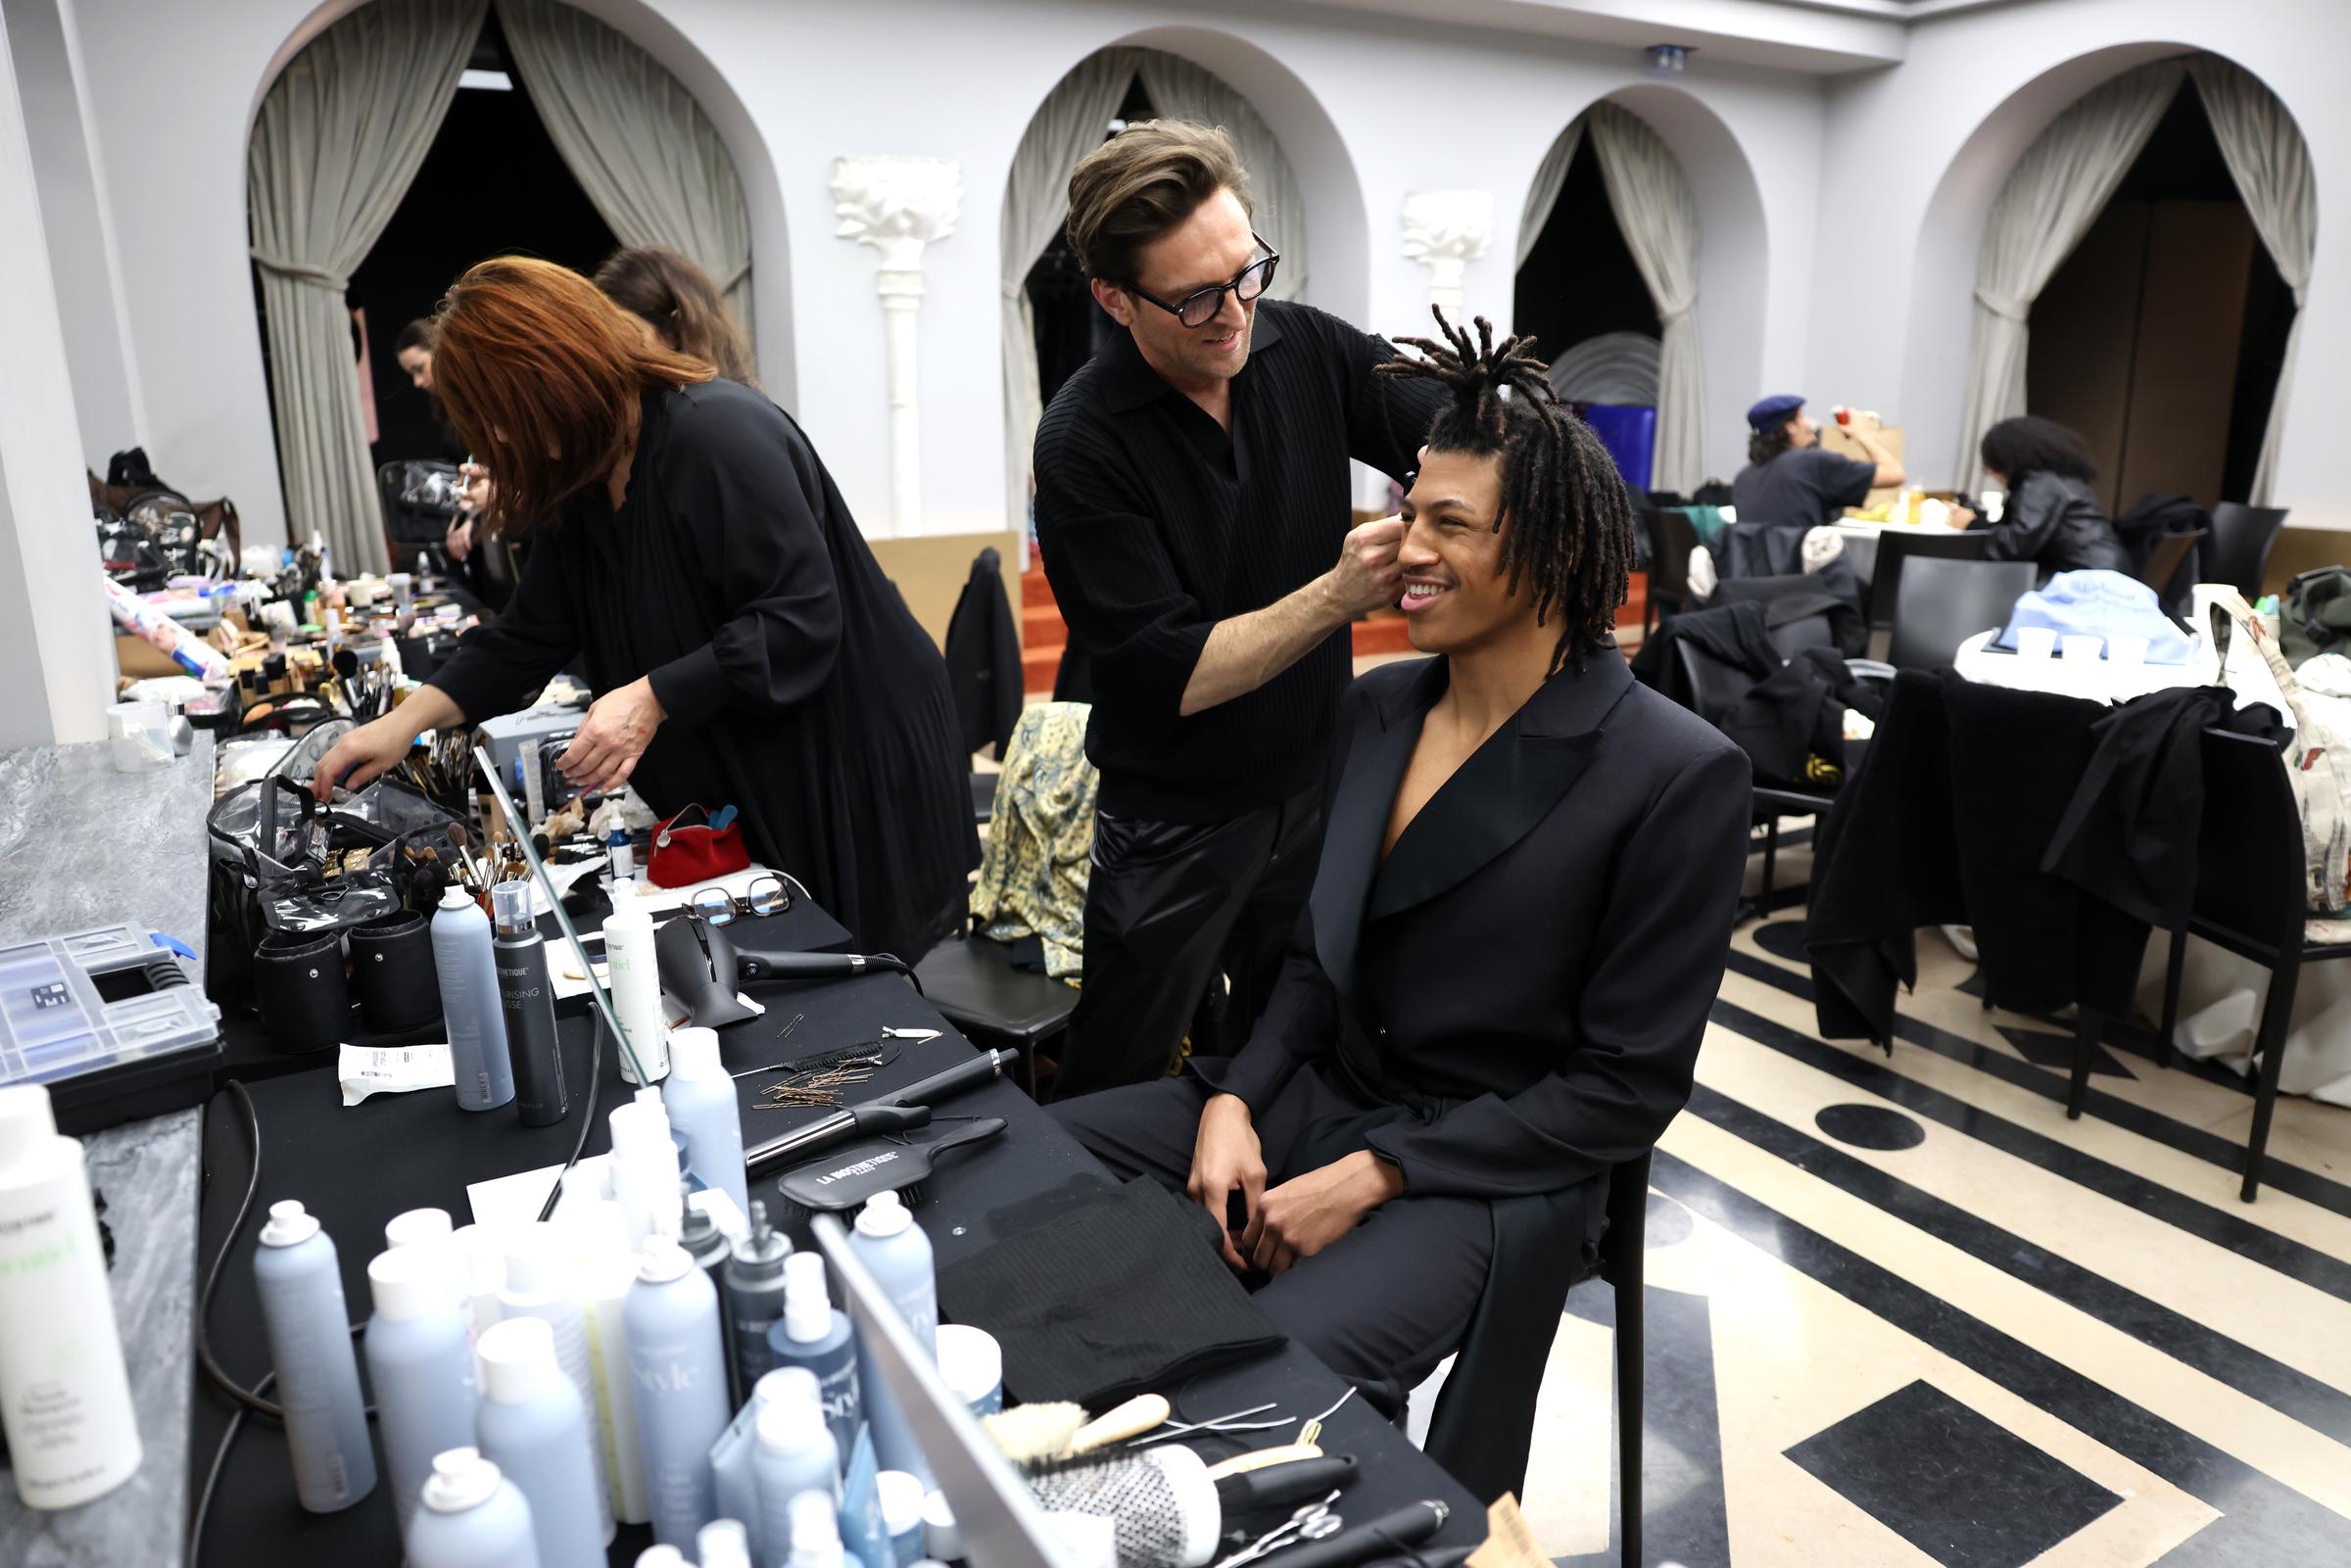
83,846
357,1167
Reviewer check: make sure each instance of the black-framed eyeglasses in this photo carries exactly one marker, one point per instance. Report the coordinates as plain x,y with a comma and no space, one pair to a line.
766,895
1202,305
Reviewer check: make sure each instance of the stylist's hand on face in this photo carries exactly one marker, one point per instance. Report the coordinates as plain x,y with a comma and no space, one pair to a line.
619,726
1306,1214
1367,575
1227,1159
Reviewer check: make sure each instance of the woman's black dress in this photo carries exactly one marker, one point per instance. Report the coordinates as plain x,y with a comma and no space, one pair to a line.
799,686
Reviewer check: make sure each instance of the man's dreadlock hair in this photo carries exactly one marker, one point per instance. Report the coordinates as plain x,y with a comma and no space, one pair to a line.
1571,522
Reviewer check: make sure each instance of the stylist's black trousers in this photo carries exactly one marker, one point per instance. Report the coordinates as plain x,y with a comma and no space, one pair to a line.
1167,907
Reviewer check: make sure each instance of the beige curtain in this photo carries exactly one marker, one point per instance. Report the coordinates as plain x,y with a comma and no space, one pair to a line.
637,141
339,137
1181,90
1550,177
1658,216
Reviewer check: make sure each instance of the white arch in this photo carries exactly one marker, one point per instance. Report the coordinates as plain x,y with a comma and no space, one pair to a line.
762,194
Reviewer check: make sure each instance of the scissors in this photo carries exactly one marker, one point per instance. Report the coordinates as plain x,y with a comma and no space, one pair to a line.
1314,1522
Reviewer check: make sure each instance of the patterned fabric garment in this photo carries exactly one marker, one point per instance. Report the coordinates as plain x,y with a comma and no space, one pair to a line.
1041,838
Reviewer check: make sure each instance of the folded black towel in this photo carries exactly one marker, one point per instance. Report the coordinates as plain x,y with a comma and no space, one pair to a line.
1122,1297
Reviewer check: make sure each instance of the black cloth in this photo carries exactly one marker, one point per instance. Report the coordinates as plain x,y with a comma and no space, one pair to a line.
1155,524
1170,905
1381,1311
1802,487
983,657
1752,636
1527,972
2056,523
1791,724
2129,835
1752,551
1949,825
1124,1295
799,686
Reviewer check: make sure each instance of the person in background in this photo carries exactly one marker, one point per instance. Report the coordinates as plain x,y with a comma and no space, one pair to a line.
1791,479
1194,510
488,573
679,302
1498,990
695,563
2052,518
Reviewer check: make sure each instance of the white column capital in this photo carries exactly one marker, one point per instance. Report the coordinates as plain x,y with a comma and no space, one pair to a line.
897,206
1447,230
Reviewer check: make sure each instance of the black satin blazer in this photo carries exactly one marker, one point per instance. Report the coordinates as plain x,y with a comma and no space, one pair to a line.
1530,968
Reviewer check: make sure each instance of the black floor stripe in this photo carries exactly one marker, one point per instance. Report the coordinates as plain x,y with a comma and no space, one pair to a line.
2219,1226
2209,1147
2231,1361
2276,1524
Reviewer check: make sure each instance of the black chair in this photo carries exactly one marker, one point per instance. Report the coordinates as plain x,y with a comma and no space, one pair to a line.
2238,552
1621,1264
2168,562
983,795
1944,603
1714,689
1672,539
1895,549
972,981
2250,900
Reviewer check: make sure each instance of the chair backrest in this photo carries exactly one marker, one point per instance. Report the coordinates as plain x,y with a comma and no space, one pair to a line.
1714,687
2250,852
2163,562
1944,603
2238,552
1672,539
1895,549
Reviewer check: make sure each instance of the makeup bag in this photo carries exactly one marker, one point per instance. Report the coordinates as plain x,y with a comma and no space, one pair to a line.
689,857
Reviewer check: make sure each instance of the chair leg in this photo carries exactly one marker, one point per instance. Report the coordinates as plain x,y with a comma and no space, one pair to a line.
2087,1027
2171,993
2276,1016
1772,859
1629,1364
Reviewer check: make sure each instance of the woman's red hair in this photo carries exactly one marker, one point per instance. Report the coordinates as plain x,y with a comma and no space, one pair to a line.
540,374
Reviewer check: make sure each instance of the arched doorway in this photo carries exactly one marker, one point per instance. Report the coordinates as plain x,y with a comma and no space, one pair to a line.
1050,321
1644,207
337,142
2051,199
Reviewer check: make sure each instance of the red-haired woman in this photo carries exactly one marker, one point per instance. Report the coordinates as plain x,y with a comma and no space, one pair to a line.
691,558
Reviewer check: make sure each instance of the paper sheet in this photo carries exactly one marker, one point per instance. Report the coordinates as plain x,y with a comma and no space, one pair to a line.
508,1200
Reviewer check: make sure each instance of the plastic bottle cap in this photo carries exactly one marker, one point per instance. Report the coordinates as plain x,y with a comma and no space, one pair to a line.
883,1215
518,1358
694,1054
512,903
461,1479
538,1265
940,1537
660,1556
417,1227
406,1283
26,1120
722,1544
901,1501
761,1254
663,1261
485,1264
634,1129
970,1360
774,1383
807,1311
290,1223
815,1531
456,897
790,1422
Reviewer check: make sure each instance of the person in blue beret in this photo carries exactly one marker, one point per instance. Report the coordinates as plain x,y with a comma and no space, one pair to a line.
1791,480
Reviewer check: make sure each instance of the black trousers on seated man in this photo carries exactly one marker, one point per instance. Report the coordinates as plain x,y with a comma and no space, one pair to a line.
1383,1305
1170,907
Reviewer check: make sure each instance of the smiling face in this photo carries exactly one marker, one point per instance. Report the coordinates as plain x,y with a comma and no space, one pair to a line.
1205,250
1457,598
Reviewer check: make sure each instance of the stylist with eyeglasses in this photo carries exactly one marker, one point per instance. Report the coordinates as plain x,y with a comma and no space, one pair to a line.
1194,511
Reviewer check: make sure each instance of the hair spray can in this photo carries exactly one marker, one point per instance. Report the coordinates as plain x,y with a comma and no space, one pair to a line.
679,1383
534,1427
477,1029
528,1008
420,1350
470,1517
308,1330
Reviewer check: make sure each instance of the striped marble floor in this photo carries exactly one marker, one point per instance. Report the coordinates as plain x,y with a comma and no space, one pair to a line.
1903,1312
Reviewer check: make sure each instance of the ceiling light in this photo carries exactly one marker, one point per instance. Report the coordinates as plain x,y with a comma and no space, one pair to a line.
1668,58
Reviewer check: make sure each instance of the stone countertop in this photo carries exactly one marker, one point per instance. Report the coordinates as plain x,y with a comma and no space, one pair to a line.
82,845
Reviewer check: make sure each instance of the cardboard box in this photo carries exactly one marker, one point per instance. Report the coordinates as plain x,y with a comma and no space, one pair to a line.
1833,439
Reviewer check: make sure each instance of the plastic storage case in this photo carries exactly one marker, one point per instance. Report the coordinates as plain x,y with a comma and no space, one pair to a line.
110,1022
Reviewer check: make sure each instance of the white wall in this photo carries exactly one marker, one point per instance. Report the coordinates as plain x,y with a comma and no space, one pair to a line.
1916,155
61,655
1358,99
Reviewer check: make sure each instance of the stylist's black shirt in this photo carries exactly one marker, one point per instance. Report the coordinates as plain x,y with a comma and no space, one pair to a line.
1155,525
1811,485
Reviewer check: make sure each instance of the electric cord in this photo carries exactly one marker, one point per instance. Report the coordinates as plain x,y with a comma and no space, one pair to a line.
578,1144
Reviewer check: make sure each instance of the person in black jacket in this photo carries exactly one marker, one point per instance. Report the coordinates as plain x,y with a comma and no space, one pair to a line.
2052,518
693,558
1518,924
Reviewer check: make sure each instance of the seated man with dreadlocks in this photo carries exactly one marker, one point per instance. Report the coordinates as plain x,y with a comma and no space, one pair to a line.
1518,924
